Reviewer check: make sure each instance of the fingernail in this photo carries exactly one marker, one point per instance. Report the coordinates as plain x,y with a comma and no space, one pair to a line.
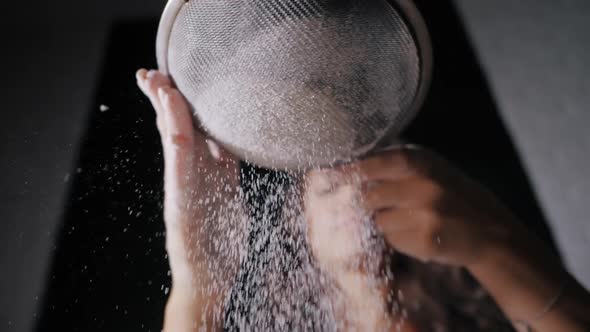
163,94
214,149
141,74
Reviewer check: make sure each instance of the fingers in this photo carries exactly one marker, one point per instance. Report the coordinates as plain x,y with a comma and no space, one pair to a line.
406,193
416,233
422,205
392,221
178,118
174,124
397,164
378,196
176,112
150,82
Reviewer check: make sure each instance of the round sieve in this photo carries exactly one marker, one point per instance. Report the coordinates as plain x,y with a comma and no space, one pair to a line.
293,84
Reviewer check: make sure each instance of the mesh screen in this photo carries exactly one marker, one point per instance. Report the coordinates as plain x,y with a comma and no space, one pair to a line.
295,83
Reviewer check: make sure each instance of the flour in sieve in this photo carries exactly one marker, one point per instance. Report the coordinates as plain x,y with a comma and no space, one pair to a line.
307,91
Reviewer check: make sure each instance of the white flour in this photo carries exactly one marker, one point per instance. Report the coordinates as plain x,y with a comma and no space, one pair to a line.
303,92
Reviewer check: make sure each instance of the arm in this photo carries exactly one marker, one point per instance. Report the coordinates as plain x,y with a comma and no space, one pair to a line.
430,211
202,205
531,286
182,310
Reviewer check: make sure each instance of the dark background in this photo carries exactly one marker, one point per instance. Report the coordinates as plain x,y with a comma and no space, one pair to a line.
73,176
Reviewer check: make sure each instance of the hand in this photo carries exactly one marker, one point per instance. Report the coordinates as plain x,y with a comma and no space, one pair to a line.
428,210
203,207
415,200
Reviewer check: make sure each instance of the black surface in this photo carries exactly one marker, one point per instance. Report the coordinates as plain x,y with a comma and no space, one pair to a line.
110,271
119,284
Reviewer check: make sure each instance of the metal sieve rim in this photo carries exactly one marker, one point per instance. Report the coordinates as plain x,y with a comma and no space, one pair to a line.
169,16
408,12
415,22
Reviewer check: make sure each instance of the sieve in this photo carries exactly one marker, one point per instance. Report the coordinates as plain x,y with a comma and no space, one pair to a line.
294,84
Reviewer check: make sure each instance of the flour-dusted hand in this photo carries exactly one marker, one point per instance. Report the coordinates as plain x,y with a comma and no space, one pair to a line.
203,208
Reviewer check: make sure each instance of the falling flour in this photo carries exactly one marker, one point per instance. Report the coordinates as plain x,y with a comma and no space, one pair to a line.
280,269
304,256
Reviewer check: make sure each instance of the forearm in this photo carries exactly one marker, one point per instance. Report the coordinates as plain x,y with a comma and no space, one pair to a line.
181,313
367,304
187,311
524,278
189,307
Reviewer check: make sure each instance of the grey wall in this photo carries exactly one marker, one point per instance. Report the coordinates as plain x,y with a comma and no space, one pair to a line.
537,56
50,57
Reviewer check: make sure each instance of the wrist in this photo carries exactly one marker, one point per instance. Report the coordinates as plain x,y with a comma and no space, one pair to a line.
187,312
504,239
520,274
496,246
